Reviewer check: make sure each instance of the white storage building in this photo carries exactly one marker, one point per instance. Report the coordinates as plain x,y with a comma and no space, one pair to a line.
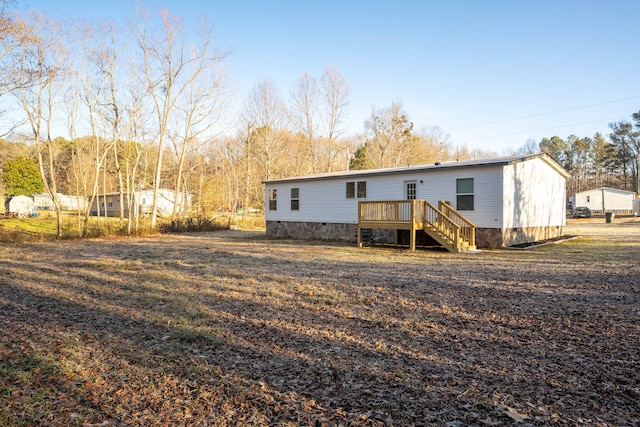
604,199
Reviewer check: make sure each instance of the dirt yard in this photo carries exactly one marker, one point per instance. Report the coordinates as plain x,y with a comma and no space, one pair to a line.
233,329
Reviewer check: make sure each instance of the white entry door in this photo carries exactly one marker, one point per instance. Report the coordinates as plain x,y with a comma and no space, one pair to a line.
409,190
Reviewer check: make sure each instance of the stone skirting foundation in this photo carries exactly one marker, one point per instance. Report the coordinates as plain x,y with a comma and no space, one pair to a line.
485,237
326,231
496,238
516,236
310,230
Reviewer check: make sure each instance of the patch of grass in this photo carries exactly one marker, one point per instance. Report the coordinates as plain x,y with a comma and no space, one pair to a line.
248,222
44,227
196,336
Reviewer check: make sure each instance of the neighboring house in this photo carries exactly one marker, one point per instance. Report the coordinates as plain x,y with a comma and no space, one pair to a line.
21,205
511,200
143,203
67,203
43,201
604,199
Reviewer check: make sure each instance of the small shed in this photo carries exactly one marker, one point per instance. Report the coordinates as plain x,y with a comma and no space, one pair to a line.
21,205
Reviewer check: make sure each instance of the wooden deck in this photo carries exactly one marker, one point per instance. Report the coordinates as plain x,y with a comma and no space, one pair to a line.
444,224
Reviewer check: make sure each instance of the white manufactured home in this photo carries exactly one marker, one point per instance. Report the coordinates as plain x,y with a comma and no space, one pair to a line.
142,203
44,201
604,199
507,200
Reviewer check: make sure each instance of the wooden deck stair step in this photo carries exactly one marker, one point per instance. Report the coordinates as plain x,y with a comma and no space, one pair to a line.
461,245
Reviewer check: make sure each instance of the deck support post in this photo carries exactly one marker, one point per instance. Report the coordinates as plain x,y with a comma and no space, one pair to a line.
359,227
412,231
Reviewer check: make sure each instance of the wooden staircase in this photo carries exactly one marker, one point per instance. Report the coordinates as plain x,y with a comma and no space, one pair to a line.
452,230
446,225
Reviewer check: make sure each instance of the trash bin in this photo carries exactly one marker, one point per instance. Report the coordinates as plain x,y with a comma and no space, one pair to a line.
609,217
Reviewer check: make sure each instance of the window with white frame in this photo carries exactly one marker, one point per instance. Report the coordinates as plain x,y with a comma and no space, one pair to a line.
465,194
273,202
356,190
351,190
361,189
295,199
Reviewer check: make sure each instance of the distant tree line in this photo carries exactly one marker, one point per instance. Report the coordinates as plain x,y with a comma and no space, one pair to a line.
598,161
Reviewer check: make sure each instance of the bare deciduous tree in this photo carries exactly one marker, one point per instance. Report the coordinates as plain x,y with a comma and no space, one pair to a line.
14,33
317,113
304,116
37,71
200,108
169,69
176,78
265,114
335,92
109,58
89,80
390,133
431,144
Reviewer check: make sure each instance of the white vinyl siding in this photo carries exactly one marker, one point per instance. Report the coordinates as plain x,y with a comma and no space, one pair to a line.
319,201
487,183
613,199
324,200
535,195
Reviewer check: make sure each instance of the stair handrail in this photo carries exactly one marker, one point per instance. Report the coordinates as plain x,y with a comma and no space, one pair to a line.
441,222
467,228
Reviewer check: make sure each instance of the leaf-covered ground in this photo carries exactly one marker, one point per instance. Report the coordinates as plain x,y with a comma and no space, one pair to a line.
232,329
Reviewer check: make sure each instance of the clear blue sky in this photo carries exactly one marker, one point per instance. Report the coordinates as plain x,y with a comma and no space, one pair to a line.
490,73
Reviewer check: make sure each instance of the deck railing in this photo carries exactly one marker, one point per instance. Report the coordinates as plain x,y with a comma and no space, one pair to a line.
467,228
438,220
394,214
390,213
